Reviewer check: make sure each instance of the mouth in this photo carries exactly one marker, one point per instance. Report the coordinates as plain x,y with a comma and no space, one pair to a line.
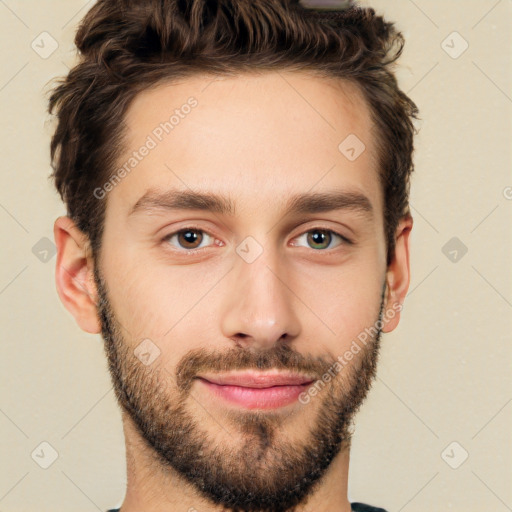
257,390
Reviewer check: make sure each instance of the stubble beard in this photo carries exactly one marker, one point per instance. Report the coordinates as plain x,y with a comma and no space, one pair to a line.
260,471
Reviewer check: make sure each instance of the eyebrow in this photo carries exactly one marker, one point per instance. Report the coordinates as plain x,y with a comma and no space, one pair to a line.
306,203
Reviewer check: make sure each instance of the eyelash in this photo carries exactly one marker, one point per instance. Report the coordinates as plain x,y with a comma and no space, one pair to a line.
344,239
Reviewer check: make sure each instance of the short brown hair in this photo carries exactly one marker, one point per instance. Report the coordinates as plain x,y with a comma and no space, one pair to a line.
127,46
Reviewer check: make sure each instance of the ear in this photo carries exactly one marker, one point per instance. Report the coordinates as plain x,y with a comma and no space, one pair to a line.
74,274
397,275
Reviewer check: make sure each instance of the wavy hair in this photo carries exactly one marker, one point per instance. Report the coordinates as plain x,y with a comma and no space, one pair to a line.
126,46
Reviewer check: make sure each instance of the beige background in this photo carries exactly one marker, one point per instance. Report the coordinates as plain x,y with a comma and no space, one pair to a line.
445,372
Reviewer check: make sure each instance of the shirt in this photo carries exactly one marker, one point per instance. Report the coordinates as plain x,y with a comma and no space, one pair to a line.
356,507
361,507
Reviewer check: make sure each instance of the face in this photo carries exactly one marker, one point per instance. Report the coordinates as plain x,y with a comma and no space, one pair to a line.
244,244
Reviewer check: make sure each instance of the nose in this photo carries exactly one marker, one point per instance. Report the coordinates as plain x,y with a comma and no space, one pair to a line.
259,307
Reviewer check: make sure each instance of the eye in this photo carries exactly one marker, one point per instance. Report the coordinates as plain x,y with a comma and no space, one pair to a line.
321,239
193,238
188,238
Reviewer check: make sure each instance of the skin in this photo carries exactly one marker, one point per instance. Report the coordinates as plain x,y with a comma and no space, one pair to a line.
254,139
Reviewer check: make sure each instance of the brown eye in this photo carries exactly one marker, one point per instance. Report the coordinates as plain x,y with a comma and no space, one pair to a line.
189,238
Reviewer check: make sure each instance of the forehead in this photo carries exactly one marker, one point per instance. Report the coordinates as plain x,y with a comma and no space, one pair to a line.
250,136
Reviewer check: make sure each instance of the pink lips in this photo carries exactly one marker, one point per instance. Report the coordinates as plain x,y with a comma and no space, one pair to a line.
257,390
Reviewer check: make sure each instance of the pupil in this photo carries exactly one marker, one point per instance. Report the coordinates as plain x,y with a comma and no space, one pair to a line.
190,236
319,238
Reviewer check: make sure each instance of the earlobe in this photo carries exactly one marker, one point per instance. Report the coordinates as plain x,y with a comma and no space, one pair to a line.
397,276
74,275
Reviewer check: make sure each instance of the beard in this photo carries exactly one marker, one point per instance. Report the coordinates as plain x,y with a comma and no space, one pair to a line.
263,472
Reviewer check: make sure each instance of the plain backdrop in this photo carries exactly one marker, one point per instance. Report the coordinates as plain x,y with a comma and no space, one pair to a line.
435,432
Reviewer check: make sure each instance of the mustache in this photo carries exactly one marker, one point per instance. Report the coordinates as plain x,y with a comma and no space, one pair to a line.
278,357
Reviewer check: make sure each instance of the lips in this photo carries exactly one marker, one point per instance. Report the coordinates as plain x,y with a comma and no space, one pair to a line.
257,379
256,390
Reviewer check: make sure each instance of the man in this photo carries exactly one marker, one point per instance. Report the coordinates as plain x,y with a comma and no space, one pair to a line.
236,175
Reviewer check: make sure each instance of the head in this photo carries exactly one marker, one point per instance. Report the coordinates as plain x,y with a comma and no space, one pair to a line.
180,121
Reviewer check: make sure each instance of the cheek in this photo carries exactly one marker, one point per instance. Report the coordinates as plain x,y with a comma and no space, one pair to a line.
346,299
163,303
